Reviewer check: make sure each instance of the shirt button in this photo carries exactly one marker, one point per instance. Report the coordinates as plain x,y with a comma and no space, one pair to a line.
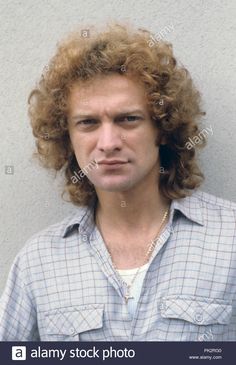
72,330
84,238
201,338
198,317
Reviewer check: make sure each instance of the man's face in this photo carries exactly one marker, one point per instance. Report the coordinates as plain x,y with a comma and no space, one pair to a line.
109,121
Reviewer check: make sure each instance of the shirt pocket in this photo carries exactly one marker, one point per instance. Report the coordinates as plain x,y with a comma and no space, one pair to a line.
68,323
192,318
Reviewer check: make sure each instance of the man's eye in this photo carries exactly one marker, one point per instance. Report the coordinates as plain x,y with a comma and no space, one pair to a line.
129,118
87,122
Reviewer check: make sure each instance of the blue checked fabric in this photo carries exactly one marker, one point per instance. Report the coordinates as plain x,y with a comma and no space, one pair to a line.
62,285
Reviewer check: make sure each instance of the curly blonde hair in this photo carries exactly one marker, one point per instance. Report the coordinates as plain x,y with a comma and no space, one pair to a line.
173,102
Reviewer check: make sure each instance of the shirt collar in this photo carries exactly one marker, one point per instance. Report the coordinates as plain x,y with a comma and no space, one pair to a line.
189,206
83,220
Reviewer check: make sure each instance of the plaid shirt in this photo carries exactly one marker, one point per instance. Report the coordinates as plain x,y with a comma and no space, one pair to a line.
62,285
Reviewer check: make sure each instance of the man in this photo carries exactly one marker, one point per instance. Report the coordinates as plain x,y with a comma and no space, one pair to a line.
146,256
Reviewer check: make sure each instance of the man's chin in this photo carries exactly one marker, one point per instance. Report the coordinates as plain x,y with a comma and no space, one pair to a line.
115,187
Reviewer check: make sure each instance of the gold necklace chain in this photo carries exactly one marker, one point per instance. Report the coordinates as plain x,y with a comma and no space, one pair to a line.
151,247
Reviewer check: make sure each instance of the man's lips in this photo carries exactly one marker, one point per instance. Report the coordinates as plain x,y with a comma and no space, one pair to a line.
112,162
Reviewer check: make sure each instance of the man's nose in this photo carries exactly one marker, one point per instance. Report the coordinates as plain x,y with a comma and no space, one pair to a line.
110,138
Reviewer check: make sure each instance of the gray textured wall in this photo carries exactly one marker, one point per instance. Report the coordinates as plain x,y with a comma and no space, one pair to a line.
204,41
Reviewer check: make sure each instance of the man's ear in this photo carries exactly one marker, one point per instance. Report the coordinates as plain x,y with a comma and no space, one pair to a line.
161,140
71,149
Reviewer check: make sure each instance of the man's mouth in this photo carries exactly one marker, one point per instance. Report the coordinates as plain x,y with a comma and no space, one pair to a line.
112,164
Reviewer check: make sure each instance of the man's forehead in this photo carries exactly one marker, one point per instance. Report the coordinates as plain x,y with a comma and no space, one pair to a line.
97,84
94,96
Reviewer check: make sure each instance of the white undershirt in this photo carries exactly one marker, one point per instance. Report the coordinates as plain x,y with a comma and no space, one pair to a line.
135,290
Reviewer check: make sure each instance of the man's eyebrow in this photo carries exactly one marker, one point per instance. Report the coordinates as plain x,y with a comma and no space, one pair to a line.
119,114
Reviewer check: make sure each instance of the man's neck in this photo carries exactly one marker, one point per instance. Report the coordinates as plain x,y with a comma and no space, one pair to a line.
140,207
128,221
